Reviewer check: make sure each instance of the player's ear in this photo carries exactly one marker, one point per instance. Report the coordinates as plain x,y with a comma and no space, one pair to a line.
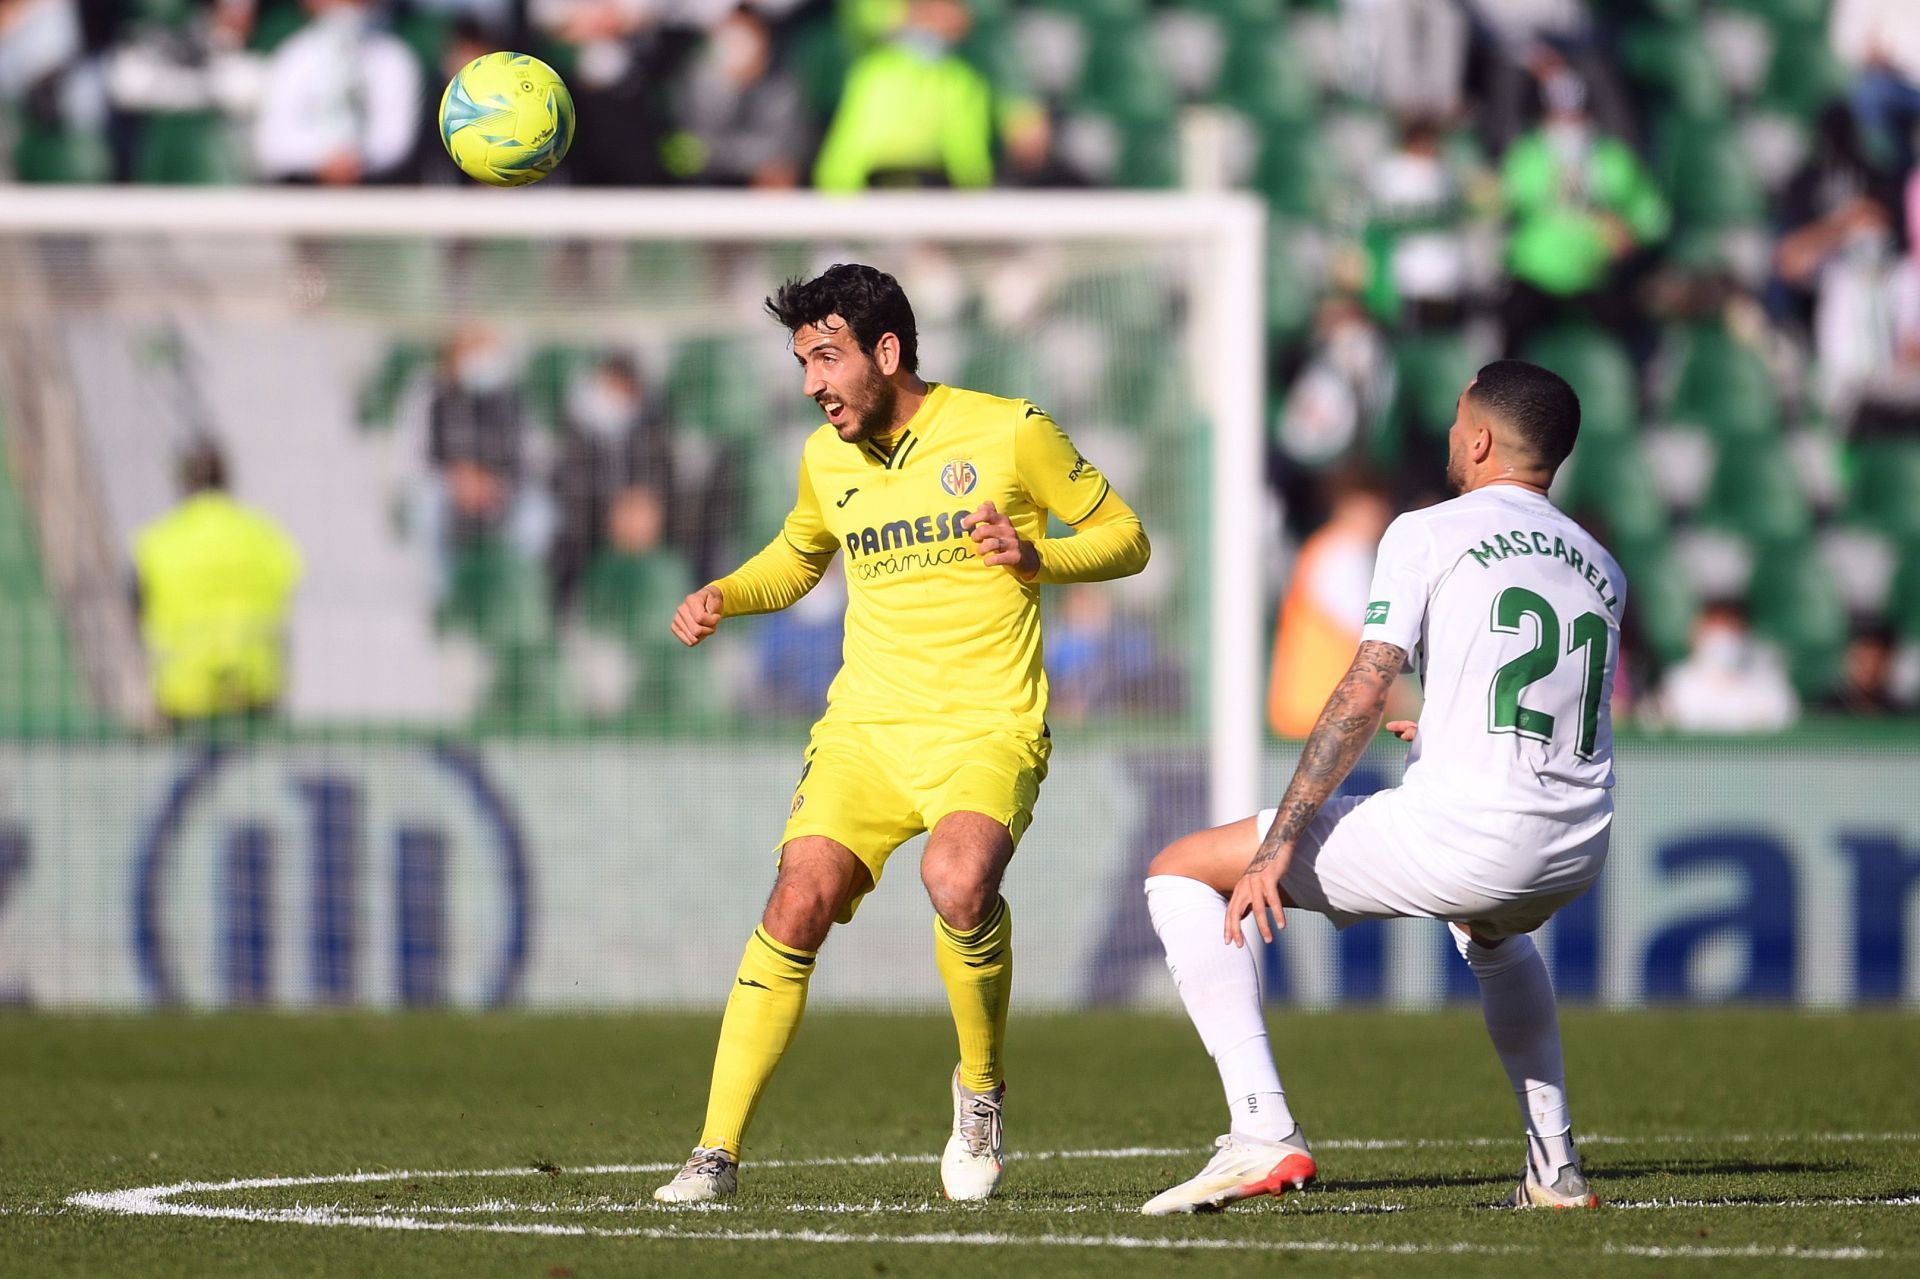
886,354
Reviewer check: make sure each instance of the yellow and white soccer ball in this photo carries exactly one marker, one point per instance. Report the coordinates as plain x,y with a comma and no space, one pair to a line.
506,119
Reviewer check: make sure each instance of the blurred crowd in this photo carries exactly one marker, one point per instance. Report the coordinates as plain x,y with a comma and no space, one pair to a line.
1705,213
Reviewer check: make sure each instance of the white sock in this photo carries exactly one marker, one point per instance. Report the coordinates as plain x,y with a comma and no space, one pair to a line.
1220,986
1516,998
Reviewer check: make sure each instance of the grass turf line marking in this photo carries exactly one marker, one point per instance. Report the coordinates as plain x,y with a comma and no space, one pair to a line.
158,1201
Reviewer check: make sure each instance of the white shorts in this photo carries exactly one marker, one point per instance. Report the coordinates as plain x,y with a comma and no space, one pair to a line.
1368,857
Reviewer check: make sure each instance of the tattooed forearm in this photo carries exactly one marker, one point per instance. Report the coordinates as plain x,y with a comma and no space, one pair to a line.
1349,721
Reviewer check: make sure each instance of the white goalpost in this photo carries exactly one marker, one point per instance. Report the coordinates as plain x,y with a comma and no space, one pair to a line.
1219,236
315,336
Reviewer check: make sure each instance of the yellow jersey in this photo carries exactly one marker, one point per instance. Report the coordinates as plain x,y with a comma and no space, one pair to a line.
934,634
216,582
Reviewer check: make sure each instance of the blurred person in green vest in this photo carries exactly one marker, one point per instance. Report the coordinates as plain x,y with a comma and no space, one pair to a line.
914,112
216,579
1584,208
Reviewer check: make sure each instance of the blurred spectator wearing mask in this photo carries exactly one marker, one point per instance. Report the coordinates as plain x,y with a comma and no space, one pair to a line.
1832,261
1730,682
612,448
1582,207
1325,605
1520,44
1416,229
626,54
914,112
742,120
1336,404
340,103
1880,41
215,583
477,448
1867,680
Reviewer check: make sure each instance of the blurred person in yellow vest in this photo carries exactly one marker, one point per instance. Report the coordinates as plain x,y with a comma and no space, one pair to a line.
216,579
1326,604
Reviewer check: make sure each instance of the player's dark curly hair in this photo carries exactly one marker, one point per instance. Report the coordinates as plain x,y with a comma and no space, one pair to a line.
1537,404
868,299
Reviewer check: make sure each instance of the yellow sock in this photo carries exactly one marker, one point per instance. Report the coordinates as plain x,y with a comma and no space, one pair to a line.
977,968
769,995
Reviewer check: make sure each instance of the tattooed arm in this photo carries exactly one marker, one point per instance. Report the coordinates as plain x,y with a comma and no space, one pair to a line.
1349,721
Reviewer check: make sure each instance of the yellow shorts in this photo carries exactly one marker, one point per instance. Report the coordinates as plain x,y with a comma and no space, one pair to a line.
873,787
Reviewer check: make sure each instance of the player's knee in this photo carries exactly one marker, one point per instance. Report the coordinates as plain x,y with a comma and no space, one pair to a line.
1175,859
802,910
961,893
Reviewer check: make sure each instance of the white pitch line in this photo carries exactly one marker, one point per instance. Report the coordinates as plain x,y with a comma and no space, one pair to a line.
1849,1201
159,1201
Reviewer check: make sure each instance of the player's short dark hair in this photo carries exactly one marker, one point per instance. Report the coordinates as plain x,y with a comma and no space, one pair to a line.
1536,403
203,467
871,302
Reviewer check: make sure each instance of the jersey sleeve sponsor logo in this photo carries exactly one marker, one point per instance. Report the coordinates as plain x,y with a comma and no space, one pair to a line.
1081,468
959,477
1377,612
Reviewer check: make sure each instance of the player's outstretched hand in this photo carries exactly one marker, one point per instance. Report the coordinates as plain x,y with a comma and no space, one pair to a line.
999,544
1258,893
698,616
1404,729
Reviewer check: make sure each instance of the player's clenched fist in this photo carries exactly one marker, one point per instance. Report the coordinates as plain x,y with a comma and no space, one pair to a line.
993,533
697,616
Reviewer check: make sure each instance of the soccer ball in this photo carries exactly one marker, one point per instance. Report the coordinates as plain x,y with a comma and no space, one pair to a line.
506,119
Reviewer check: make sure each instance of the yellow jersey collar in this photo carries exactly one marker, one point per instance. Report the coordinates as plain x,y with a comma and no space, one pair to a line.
905,439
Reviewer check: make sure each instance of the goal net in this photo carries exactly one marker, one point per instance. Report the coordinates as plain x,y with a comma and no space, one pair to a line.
505,435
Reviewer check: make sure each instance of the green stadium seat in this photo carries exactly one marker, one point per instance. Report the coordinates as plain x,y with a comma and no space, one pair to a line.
1265,78
1007,363
1295,173
1599,370
1246,16
1672,61
55,153
1723,385
1099,14
1661,602
1149,158
426,32
42,689
1757,493
1431,369
1795,603
819,56
1903,600
550,371
1708,176
188,148
1124,77
1611,478
1885,493
1292,288
713,386
380,394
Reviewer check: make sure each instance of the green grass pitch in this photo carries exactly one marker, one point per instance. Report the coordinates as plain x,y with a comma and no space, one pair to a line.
1726,1142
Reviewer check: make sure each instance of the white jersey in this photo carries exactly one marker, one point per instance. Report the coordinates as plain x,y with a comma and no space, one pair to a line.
1511,614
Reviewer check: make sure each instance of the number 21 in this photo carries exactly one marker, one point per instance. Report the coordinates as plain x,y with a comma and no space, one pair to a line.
1588,631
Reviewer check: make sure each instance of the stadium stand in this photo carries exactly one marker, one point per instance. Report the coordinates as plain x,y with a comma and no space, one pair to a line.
1703,410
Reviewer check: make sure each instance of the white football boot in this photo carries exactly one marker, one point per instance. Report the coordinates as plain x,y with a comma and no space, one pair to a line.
1569,1190
711,1173
1241,1168
970,1167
